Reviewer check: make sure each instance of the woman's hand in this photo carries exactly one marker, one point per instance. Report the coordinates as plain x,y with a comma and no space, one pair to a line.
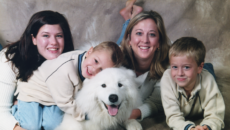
17,127
136,114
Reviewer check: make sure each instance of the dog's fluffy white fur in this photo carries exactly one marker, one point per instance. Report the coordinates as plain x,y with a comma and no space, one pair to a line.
108,99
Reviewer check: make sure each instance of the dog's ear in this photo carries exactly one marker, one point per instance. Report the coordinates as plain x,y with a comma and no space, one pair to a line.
130,73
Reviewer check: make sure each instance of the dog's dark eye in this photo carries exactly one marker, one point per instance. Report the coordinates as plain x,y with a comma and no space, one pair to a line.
120,85
103,85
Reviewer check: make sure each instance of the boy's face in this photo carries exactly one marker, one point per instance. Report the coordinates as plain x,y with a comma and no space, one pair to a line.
95,62
184,71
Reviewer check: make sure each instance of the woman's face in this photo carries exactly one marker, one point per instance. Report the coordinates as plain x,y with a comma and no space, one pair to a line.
144,40
49,41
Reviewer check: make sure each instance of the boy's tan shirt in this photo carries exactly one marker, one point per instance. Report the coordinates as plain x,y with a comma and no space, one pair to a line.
55,82
177,107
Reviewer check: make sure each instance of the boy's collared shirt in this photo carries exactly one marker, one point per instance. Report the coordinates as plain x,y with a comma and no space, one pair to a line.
81,58
205,99
194,91
185,103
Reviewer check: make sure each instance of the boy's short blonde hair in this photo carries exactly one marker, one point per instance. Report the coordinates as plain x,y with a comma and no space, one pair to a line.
189,46
116,53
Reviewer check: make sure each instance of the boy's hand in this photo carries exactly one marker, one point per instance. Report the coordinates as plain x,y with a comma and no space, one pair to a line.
198,127
205,127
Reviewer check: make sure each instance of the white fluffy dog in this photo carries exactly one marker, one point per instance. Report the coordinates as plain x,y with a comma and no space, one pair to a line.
108,99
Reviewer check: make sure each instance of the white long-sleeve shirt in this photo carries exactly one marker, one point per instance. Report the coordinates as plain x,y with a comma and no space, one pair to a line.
205,99
8,85
150,91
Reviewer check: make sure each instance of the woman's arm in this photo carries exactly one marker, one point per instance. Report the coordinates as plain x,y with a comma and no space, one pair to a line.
150,91
152,104
7,88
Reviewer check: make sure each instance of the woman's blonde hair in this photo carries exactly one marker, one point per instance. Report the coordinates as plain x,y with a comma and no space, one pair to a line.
160,60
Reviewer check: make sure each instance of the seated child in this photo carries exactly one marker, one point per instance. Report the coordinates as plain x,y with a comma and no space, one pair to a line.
55,83
188,91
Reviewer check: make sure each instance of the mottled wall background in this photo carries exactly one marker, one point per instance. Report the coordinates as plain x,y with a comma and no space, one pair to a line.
94,21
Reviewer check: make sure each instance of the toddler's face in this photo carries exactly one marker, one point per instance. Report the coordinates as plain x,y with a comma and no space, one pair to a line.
95,62
184,71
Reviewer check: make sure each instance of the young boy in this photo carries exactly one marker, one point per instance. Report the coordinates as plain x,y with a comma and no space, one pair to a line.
188,90
56,82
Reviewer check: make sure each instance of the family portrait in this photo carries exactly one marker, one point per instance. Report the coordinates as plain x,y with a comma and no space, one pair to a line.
114,65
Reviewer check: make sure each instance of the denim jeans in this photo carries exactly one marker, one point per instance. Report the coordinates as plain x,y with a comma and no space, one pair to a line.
0,47
34,116
123,32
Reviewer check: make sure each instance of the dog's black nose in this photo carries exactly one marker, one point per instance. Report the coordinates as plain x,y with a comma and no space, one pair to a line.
113,98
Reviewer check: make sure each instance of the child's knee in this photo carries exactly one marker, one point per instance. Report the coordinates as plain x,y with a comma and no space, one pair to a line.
30,125
50,122
51,125
29,115
52,117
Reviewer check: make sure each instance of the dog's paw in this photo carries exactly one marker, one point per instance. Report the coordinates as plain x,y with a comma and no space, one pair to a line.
133,125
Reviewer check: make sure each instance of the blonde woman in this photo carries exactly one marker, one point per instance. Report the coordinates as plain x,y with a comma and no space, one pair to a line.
145,45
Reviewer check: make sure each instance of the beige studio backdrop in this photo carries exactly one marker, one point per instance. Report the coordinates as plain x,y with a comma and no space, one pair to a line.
95,21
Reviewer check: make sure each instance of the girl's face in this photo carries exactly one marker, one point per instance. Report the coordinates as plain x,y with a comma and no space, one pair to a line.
49,41
144,40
